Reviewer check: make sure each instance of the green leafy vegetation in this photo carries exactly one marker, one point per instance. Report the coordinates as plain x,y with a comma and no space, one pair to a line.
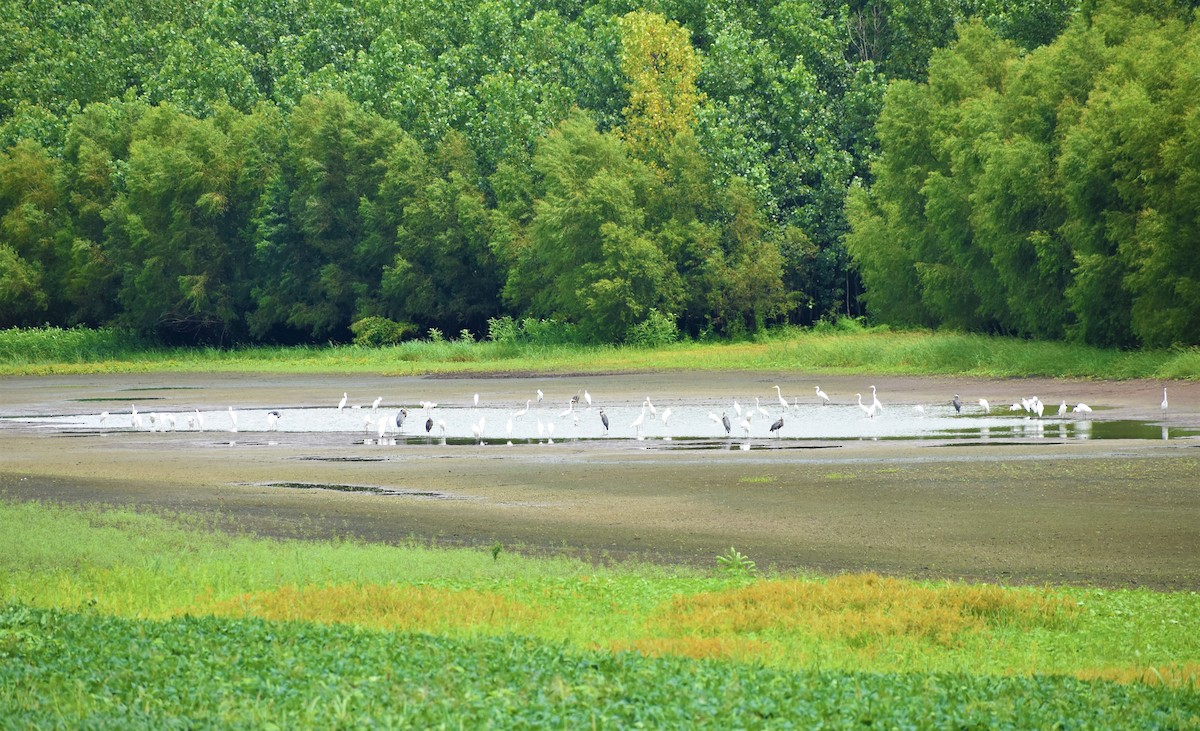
277,174
118,618
535,346
1047,193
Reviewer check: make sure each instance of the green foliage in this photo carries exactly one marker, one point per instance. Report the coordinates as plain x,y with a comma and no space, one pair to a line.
1040,194
736,563
657,330
377,331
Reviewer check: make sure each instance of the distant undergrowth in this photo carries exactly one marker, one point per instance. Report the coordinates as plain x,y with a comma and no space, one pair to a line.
545,348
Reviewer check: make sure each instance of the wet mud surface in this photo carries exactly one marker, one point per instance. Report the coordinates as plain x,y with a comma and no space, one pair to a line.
1111,512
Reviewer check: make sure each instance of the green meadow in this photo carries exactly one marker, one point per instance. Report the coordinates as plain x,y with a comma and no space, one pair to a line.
844,349
136,619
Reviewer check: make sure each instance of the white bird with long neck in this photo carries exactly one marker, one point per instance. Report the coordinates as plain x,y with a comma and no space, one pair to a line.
823,396
875,404
779,394
522,412
342,403
868,410
233,418
1164,401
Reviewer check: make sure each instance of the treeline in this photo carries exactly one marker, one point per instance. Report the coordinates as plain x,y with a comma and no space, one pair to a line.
275,171
1054,193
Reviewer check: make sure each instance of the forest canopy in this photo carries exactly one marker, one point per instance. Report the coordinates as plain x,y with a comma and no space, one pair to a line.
271,171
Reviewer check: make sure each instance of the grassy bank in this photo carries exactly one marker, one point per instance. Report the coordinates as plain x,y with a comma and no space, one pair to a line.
850,351
84,585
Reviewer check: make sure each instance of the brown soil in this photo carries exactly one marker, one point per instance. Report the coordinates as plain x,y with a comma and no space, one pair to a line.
1111,513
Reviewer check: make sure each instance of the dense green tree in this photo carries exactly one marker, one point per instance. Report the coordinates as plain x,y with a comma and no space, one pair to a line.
30,225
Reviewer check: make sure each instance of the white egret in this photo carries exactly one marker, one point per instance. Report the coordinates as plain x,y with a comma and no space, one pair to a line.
737,408
375,403
987,407
746,423
779,393
1164,401
919,409
103,416
648,405
383,429
758,407
637,423
1083,409
233,418
875,404
587,397
171,421
1039,408
199,420
273,421
569,409
522,412
477,400
868,410
342,403
540,395
1062,408
666,414
823,396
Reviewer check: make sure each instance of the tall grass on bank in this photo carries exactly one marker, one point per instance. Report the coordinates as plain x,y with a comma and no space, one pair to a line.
847,351
145,566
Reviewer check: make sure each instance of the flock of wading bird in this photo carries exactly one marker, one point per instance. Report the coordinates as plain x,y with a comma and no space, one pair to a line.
387,426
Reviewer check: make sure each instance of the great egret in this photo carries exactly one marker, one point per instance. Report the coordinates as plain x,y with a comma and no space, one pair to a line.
919,409
1083,409
758,407
587,397
868,410
273,421
777,425
637,423
779,394
1164,403
375,403
987,407
604,419
666,414
233,418
103,416
540,395
957,404
1039,408
1062,408
522,412
875,404
199,420
648,405
342,403
476,400
737,408
569,409
823,396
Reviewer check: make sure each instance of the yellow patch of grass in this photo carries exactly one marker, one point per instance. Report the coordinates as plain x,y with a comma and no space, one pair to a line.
384,607
698,648
1186,675
862,608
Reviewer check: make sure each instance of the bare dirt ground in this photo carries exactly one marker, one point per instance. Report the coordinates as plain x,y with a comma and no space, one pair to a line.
1097,512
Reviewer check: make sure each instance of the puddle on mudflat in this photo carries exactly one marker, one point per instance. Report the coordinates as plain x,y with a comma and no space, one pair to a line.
691,424
373,489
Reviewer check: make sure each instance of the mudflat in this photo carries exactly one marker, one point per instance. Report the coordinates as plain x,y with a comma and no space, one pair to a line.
1014,511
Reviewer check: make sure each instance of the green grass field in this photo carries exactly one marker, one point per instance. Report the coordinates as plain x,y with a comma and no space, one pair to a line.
846,351
115,618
